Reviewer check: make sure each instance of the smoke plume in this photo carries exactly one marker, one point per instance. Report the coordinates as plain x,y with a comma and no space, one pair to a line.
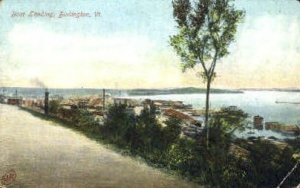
38,82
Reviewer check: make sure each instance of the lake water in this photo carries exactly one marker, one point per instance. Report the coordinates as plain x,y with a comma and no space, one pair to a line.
253,102
261,103
44,154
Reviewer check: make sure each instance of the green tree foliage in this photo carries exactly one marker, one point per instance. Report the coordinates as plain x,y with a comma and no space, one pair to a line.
229,119
142,134
270,163
54,106
206,28
83,118
172,131
264,165
223,125
149,128
187,158
295,143
119,123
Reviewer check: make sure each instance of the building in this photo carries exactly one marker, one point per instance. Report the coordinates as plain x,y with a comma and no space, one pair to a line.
2,99
232,108
182,116
14,101
126,101
82,104
258,122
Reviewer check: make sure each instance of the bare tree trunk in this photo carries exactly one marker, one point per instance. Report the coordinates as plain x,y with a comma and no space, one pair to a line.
207,112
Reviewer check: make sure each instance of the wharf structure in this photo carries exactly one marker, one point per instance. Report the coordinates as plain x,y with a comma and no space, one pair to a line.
258,123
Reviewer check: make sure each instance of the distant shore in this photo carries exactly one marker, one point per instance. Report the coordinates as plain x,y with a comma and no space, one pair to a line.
272,89
38,91
29,91
186,90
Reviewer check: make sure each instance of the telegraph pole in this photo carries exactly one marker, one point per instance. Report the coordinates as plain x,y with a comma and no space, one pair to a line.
103,99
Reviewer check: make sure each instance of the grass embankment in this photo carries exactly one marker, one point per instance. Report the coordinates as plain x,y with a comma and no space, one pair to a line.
70,125
250,163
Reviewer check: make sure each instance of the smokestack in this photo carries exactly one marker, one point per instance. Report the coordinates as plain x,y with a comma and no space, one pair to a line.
46,106
18,102
103,97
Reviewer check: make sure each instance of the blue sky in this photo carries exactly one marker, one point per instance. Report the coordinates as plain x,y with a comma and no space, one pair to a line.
128,45
141,17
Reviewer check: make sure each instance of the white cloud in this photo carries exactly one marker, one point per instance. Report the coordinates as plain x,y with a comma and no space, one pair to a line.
267,53
36,44
62,60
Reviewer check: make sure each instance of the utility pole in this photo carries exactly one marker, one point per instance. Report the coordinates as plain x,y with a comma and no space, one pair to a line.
46,102
103,98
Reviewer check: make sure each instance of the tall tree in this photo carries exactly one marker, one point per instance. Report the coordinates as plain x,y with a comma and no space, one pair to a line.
206,28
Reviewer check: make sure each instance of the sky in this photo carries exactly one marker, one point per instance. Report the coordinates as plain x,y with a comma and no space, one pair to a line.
127,46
